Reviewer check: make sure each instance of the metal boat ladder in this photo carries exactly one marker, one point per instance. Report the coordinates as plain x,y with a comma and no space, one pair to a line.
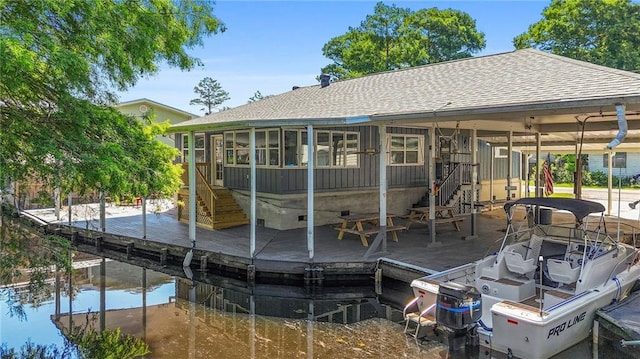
418,319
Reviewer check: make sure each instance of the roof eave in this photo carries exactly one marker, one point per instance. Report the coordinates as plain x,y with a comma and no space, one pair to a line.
229,125
474,113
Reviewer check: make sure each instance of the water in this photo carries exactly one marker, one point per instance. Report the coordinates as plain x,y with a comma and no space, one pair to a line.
224,318
214,316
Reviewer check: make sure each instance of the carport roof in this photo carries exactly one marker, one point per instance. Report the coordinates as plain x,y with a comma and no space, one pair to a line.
525,91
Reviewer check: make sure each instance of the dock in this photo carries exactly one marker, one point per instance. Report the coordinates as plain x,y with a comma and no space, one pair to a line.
617,327
279,255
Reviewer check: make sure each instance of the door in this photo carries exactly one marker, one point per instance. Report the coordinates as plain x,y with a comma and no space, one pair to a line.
217,158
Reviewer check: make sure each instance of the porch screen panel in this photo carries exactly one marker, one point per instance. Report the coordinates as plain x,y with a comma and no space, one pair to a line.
323,149
290,148
338,149
261,148
242,148
228,145
274,147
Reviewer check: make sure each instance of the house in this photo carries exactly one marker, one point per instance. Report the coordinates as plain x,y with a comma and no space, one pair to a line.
33,194
454,133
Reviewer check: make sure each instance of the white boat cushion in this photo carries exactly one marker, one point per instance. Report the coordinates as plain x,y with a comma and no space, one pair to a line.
516,264
560,271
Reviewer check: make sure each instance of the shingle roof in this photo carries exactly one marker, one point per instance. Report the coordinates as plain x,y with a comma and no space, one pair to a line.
524,77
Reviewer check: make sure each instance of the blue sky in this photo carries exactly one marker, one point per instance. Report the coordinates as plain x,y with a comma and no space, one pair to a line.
271,46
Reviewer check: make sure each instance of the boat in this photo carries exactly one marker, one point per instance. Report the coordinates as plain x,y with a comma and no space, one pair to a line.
538,293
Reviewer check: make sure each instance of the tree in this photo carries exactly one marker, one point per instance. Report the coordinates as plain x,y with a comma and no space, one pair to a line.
394,38
211,94
61,62
257,96
601,32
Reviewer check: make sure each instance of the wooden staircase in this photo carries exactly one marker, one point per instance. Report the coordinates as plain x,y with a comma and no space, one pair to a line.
454,189
215,206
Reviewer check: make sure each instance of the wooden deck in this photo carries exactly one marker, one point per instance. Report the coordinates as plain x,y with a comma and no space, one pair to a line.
286,251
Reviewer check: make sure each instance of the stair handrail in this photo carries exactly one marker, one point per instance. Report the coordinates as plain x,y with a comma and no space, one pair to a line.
203,188
449,185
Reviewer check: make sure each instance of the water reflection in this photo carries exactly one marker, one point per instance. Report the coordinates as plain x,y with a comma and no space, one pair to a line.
216,317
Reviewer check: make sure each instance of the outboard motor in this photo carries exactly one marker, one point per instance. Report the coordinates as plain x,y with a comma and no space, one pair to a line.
458,309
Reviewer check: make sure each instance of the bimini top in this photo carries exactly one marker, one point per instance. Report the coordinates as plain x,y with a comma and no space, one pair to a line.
579,207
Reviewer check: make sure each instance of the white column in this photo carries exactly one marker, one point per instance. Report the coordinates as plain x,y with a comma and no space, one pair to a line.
432,182
382,135
192,188
310,191
144,217
510,163
252,180
526,174
538,166
103,214
610,156
474,179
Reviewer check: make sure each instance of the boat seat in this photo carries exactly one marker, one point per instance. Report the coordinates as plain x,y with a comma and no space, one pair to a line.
560,271
516,264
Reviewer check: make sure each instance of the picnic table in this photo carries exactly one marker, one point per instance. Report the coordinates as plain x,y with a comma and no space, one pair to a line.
365,225
443,214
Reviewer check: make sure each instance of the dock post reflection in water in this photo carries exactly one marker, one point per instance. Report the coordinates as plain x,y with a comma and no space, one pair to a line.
310,321
192,316
144,304
70,285
252,322
103,288
57,298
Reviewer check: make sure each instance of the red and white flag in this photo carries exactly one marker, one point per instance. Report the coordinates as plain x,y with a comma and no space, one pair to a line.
548,177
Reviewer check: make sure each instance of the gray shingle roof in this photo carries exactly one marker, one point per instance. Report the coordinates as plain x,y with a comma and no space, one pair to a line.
520,78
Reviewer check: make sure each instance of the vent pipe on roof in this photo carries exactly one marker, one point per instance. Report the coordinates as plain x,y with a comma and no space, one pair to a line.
622,127
325,79
295,88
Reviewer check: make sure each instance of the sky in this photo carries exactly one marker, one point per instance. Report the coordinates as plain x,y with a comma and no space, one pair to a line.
271,46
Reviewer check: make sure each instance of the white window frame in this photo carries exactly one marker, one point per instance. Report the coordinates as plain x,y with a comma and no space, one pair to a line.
197,149
264,153
348,155
391,150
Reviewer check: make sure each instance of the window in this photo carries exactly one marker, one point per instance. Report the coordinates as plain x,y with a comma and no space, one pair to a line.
237,149
336,149
333,148
198,147
405,149
619,160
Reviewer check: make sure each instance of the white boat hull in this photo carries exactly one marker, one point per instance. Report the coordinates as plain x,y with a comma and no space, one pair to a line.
519,330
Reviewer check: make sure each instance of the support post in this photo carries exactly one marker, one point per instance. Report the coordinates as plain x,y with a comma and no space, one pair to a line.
474,180
103,213
192,188
538,166
252,180
509,164
432,186
381,237
610,156
310,193
144,217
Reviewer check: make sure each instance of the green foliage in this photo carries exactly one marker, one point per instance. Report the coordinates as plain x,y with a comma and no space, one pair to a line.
394,38
600,32
211,95
61,61
257,96
109,344
33,351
